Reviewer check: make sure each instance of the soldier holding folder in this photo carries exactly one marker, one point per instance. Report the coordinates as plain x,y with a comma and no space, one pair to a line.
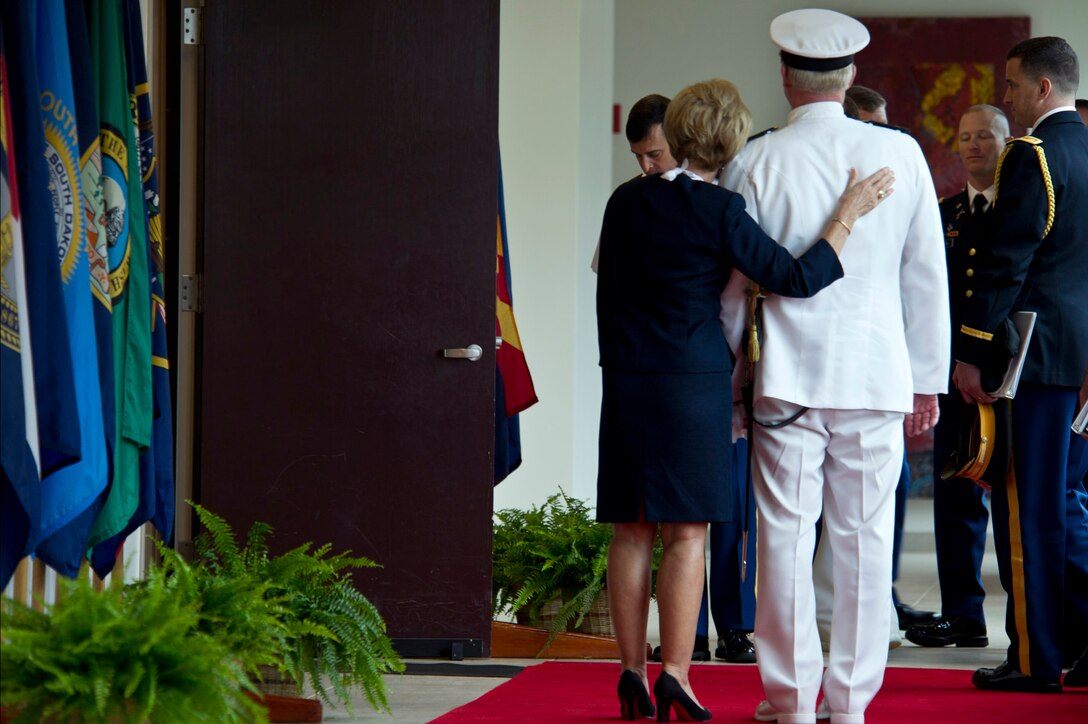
1038,261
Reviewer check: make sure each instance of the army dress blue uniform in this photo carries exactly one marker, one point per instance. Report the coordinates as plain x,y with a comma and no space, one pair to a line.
1038,261
960,514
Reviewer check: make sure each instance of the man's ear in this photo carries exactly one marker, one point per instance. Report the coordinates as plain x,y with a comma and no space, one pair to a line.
1045,87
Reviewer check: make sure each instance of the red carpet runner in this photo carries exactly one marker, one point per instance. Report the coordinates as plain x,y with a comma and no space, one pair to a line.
573,692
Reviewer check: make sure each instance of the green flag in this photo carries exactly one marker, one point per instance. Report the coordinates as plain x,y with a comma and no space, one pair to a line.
125,227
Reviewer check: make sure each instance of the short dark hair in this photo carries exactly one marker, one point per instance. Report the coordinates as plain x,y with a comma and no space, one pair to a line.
1081,103
644,115
866,99
1048,56
850,107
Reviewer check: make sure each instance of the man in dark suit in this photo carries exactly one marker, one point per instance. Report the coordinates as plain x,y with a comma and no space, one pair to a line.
959,507
1037,261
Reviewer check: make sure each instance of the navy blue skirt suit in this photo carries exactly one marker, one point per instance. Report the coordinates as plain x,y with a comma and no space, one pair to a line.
667,249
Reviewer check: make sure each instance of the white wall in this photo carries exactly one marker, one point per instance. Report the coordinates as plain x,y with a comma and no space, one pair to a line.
555,95
562,64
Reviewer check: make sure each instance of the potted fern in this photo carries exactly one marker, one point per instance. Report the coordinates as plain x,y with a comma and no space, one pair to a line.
332,633
549,564
131,654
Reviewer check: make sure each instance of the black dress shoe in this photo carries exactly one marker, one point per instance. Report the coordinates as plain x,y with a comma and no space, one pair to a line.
1078,675
949,631
701,652
634,698
910,617
735,647
1006,678
672,697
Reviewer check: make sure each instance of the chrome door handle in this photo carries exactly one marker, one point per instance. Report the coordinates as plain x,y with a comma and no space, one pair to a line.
472,352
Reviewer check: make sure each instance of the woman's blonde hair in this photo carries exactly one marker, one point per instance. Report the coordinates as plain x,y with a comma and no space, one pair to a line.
707,123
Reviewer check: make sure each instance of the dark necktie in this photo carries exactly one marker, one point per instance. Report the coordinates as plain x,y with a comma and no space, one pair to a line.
979,204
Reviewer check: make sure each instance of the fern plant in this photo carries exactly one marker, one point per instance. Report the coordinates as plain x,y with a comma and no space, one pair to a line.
237,607
127,655
553,552
331,631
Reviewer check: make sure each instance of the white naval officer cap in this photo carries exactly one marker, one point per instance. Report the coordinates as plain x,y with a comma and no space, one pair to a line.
815,39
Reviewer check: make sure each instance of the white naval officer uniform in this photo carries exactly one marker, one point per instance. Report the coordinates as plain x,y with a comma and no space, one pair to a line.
855,354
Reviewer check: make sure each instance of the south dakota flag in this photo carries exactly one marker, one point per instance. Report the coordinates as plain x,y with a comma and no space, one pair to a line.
70,490
58,418
65,549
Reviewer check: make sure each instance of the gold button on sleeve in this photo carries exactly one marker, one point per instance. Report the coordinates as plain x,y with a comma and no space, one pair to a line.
970,272
971,252
969,294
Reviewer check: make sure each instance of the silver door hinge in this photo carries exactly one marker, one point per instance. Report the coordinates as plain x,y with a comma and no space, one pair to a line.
191,293
192,26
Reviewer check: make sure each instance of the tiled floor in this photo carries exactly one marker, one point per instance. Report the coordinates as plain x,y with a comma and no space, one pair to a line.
418,699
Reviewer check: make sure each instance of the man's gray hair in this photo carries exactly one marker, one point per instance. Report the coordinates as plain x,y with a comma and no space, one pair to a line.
816,81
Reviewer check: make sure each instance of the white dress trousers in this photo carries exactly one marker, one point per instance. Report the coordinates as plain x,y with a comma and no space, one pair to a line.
822,583
848,463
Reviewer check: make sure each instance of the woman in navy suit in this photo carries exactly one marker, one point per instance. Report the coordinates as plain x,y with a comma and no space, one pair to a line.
668,245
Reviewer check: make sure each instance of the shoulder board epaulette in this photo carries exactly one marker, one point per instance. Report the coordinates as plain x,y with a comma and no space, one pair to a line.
888,126
1037,145
763,133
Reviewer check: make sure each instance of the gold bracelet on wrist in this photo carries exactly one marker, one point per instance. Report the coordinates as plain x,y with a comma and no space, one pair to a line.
842,223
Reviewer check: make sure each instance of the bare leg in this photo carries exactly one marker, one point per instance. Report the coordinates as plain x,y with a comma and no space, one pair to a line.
629,559
679,586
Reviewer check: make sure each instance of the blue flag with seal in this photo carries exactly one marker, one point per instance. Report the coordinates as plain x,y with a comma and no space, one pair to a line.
19,487
70,542
54,388
69,491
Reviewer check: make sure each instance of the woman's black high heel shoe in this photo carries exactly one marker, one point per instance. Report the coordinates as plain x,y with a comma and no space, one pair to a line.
633,696
671,696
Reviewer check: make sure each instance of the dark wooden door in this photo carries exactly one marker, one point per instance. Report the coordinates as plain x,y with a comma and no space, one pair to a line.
349,200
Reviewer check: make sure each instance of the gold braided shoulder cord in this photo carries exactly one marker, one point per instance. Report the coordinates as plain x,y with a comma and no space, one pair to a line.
755,292
1049,190
1037,145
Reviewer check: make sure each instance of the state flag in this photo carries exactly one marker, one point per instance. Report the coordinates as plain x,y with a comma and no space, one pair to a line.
160,467
19,486
514,390
70,542
54,386
69,491
156,488
126,239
